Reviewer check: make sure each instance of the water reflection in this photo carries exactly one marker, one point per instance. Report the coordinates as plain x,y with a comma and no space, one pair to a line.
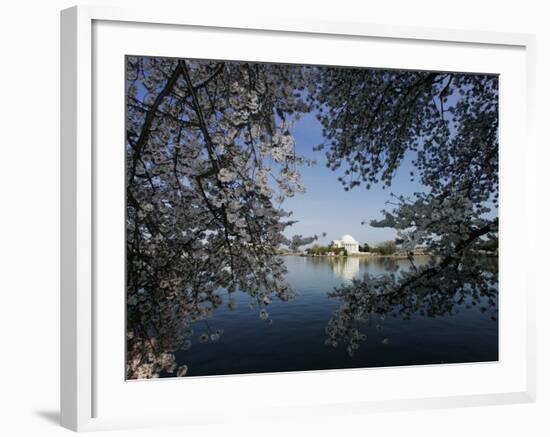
392,289
346,268
297,338
353,267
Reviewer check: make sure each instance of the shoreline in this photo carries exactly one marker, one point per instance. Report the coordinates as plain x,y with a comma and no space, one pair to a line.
375,255
358,255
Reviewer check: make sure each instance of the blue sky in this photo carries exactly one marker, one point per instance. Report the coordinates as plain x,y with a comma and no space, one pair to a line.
326,207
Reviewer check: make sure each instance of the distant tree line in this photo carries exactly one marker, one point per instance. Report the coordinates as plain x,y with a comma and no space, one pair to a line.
325,250
384,248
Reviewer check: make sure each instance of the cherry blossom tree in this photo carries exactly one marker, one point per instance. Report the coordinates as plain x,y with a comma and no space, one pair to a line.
209,160
447,125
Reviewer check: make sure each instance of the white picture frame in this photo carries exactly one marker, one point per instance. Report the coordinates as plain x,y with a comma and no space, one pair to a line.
86,377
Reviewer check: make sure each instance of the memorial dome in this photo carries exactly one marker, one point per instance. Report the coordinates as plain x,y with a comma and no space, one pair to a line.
348,239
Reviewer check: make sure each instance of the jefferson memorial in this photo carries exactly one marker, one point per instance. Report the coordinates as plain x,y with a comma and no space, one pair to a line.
348,243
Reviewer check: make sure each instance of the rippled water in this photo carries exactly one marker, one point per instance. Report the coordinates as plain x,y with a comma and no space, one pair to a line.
295,340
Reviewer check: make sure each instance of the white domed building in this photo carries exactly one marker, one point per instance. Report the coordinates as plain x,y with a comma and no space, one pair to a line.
347,242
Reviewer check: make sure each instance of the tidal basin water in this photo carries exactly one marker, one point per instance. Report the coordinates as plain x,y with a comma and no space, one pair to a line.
295,339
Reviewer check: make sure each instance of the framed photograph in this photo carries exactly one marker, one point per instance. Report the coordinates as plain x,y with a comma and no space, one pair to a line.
279,218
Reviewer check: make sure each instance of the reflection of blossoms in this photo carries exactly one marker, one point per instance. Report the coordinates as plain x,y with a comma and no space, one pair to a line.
201,212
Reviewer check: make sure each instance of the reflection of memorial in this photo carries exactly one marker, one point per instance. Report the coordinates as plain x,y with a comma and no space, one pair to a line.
346,267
